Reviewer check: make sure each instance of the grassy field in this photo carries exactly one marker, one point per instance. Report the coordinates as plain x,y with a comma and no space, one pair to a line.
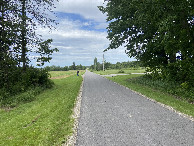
63,74
45,121
160,96
116,71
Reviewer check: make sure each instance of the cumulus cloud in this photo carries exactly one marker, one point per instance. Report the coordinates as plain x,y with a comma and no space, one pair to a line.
87,8
80,45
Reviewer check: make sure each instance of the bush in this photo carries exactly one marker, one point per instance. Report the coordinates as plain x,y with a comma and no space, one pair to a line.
27,96
15,81
182,91
121,71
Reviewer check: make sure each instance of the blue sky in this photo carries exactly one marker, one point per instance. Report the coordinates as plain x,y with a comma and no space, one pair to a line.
81,34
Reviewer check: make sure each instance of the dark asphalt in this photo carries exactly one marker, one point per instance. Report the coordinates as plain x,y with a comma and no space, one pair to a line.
112,115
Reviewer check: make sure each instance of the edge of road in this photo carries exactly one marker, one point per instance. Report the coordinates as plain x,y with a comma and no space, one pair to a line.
71,140
161,104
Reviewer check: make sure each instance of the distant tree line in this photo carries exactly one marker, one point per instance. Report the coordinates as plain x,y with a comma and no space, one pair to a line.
119,65
65,68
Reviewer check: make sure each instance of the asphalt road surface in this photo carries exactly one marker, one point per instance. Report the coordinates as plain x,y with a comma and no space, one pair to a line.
112,115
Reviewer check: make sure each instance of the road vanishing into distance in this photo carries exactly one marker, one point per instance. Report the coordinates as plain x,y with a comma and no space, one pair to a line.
112,115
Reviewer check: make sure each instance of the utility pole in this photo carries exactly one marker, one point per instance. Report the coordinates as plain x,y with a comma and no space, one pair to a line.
103,62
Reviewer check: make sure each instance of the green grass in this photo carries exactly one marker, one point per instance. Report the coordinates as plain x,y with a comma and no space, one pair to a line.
64,73
44,121
116,71
160,96
174,88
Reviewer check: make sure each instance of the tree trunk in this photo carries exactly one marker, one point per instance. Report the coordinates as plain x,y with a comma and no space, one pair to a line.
172,57
23,33
2,34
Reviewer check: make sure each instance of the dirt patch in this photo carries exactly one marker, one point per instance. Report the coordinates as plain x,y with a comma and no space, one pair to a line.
60,77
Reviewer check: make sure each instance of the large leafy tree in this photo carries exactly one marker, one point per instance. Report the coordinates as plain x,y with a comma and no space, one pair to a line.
33,13
159,33
19,20
7,29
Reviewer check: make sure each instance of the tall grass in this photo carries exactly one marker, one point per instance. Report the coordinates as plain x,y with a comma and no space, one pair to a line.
64,73
180,91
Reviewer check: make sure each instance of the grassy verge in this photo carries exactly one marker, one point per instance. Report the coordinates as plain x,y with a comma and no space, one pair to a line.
44,121
158,95
64,73
121,71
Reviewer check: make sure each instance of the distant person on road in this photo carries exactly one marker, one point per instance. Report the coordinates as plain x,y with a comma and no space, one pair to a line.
78,73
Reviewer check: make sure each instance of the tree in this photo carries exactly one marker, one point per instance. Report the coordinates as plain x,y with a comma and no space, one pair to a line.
107,65
18,21
65,68
95,63
7,31
154,32
35,13
73,67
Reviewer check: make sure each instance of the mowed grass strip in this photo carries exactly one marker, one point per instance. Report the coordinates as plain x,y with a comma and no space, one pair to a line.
116,71
45,121
159,96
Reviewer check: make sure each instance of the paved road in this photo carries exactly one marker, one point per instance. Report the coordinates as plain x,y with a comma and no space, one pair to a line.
112,115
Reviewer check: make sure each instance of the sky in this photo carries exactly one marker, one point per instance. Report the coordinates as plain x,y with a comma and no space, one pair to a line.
80,35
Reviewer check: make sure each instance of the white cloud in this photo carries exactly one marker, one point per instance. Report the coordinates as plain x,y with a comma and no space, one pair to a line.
87,8
79,45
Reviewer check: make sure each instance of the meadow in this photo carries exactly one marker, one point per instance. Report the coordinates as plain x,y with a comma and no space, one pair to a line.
47,119
63,74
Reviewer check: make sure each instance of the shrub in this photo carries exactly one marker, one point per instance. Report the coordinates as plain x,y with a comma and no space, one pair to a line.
121,71
15,81
24,97
182,91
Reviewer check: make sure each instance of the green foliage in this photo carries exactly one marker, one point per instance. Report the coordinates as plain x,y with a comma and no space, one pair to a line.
159,33
15,81
56,68
18,38
17,27
66,68
121,71
118,65
45,121
95,63
115,71
26,96
45,50
156,94
180,91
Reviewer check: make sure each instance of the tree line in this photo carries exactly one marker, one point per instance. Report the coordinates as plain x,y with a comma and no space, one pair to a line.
19,20
119,65
159,33
65,68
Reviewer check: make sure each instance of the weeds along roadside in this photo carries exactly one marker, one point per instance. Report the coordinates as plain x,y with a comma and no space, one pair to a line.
178,90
